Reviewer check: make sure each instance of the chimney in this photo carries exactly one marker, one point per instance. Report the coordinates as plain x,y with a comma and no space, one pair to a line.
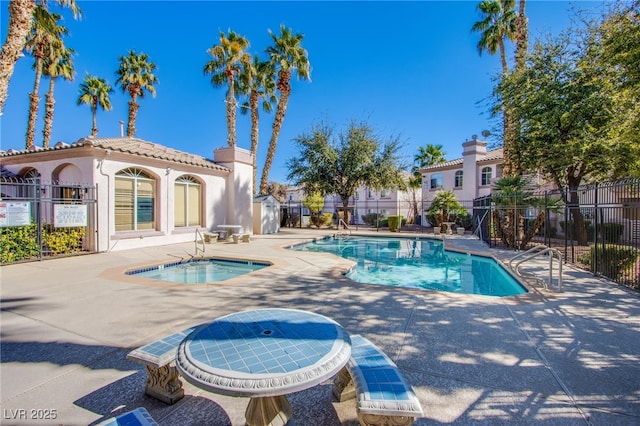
121,129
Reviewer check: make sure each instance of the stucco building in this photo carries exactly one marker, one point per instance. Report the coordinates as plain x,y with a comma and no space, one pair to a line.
145,194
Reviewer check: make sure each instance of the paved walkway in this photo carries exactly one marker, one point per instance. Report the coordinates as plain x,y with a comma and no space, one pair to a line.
557,358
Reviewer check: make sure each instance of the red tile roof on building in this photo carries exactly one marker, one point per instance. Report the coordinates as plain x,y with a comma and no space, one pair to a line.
132,146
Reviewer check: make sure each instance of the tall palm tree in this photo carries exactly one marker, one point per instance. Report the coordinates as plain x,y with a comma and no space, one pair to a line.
522,36
257,82
94,91
498,24
58,65
20,18
228,57
44,39
286,55
135,76
428,155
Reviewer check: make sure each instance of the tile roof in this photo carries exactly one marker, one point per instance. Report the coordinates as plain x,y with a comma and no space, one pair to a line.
132,146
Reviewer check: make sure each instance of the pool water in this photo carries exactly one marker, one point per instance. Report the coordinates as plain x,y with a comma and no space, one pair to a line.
418,263
199,271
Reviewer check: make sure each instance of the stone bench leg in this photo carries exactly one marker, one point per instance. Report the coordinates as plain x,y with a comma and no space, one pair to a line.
164,383
268,411
343,386
377,420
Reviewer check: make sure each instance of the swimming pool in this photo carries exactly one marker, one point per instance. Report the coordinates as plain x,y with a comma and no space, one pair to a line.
199,271
418,263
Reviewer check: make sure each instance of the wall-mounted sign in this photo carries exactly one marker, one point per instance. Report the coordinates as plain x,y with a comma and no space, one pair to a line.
15,213
69,215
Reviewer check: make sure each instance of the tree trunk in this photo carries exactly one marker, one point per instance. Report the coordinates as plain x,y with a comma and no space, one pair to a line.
255,117
20,17
48,114
94,119
277,126
231,112
34,101
133,112
522,37
578,218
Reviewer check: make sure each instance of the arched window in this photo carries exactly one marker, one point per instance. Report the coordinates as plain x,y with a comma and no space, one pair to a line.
436,180
486,175
187,202
458,179
135,200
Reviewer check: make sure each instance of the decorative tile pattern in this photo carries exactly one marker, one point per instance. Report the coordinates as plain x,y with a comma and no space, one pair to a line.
264,352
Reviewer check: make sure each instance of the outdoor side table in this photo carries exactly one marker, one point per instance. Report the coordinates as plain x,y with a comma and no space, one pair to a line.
264,354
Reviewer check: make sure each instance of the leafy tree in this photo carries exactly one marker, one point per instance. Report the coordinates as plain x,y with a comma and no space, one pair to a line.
59,65
314,201
44,39
135,76
341,165
565,110
226,65
445,207
21,13
278,190
257,82
287,55
94,91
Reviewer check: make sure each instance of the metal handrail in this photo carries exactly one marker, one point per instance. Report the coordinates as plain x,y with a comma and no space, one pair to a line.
539,251
344,225
199,239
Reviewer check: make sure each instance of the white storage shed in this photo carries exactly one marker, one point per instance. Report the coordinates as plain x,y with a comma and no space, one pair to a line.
266,214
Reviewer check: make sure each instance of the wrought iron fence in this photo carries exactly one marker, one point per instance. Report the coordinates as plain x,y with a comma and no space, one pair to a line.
596,227
40,220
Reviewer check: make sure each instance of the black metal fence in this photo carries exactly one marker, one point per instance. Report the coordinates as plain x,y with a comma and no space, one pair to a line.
39,220
596,227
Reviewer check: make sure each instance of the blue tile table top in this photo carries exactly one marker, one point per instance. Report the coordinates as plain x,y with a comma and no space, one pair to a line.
264,352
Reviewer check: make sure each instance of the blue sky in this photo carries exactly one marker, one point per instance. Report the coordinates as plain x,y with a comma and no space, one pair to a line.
410,69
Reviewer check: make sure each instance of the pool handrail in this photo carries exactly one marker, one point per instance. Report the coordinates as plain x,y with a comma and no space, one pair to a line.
538,251
199,239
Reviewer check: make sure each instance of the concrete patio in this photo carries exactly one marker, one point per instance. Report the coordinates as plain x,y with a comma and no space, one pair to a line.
555,358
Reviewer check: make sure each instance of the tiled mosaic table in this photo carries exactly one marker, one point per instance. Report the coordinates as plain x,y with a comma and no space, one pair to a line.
264,354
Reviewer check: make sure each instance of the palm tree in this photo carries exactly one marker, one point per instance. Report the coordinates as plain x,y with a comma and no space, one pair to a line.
135,75
498,23
286,55
20,18
522,36
427,156
258,82
94,91
43,40
60,66
228,57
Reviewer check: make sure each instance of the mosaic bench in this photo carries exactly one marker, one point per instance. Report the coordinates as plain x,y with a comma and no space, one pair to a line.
383,394
138,417
158,357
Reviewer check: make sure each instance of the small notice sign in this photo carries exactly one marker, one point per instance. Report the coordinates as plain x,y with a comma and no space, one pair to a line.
69,215
15,213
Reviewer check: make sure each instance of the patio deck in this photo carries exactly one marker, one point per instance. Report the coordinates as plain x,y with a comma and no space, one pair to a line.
569,358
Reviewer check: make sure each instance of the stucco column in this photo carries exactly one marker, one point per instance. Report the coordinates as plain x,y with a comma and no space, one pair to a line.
239,186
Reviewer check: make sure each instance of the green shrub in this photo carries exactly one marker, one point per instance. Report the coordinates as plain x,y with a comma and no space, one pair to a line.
611,260
327,219
465,220
395,223
572,229
18,243
612,232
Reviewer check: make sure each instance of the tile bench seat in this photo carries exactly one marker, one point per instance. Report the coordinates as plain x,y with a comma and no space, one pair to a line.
383,395
158,358
138,417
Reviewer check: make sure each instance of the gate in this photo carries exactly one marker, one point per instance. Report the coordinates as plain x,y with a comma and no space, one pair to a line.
39,220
